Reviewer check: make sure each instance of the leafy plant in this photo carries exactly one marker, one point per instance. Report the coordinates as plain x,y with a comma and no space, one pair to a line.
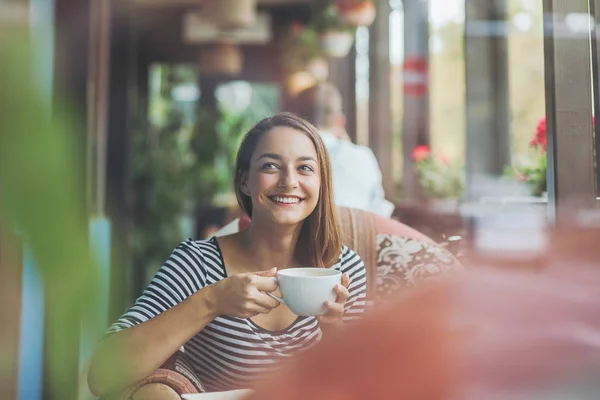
161,160
217,136
40,198
298,47
531,169
325,17
178,163
438,178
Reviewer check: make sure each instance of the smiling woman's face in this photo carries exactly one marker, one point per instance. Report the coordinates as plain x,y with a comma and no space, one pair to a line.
284,178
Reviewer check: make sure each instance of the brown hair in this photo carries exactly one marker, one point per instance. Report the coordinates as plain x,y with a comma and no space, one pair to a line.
320,104
321,232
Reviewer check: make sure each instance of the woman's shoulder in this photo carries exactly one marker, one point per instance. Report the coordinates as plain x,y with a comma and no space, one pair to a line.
201,244
204,252
350,260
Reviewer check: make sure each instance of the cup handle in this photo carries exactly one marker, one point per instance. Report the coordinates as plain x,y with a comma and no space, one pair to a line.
279,299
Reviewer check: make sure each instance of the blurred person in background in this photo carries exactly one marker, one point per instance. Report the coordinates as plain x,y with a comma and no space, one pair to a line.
357,180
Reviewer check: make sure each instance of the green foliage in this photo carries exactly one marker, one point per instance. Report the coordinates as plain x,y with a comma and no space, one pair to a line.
298,47
178,165
530,170
325,17
439,178
214,144
39,195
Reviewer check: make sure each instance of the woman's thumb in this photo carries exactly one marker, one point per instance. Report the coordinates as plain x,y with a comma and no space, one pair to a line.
269,272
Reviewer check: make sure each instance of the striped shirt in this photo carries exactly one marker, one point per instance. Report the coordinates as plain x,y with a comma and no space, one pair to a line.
230,352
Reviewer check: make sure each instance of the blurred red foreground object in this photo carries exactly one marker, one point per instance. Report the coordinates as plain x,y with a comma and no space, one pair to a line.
483,334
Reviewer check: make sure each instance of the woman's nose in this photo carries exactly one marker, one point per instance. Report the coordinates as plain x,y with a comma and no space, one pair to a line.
288,178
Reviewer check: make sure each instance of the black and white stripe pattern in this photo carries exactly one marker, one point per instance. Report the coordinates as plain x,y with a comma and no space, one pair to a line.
229,353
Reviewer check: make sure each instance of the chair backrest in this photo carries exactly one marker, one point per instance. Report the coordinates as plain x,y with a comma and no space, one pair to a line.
359,231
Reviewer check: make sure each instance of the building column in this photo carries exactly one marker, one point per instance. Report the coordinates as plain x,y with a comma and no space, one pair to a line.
122,116
568,75
415,78
487,91
380,118
342,73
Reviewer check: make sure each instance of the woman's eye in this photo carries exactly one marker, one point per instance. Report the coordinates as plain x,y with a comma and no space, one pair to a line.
307,168
269,166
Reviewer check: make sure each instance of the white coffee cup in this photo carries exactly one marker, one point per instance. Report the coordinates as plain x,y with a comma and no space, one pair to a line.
305,290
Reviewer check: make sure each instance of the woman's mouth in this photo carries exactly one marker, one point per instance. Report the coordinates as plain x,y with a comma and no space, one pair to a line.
285,200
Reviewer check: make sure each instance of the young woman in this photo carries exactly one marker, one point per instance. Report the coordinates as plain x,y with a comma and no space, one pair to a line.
210,295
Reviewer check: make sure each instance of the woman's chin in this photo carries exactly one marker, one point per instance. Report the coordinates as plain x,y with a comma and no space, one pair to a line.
286,220
285,216
288,217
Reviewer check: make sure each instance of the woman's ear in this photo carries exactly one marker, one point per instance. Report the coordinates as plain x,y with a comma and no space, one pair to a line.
244,185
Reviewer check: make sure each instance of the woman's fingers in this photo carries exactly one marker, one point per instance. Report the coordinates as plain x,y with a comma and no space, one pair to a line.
342,294
345,280
255,308
264,300
264,283
334,309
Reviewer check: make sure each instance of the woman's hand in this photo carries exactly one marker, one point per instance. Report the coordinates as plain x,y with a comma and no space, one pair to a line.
244,295
335,311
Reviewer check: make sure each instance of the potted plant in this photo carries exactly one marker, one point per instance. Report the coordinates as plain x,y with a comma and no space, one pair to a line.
299,46
160,162
531,169
335,36
440,181
301,58
214,143
356,12
223,58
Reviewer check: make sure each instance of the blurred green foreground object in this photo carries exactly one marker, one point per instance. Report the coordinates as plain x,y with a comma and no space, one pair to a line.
40,198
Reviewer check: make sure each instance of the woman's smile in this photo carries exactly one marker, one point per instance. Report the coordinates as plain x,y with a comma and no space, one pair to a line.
285,201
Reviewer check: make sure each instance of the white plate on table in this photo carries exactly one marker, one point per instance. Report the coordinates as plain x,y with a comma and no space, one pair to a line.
228,395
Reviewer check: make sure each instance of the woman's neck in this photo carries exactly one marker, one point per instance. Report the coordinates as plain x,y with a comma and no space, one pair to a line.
271,246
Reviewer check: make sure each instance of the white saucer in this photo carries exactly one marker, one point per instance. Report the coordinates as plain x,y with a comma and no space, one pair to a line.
228,395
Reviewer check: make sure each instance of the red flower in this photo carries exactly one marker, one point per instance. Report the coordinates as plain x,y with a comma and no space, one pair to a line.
420,153
539,139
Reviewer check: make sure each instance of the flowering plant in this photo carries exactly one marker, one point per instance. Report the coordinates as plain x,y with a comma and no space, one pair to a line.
326,17
438,178
531,170
299,45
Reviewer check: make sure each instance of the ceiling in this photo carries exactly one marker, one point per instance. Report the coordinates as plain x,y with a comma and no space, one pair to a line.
174,3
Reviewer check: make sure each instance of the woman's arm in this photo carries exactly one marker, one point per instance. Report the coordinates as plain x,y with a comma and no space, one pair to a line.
175,306
128,356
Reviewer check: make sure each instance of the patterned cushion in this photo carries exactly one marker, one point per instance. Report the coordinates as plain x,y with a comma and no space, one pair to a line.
404,262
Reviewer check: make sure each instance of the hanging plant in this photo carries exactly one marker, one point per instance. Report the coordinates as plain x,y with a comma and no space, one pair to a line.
356,12
222,58
335,36
336,44
299,47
